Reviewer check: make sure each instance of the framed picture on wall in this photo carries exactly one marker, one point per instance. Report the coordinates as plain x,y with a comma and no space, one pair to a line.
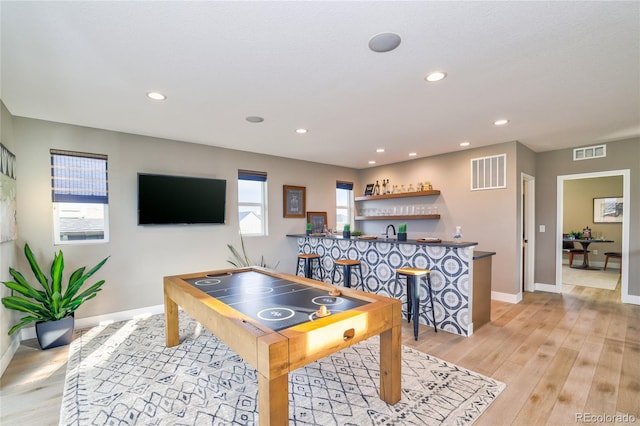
317,220
294,200
608,210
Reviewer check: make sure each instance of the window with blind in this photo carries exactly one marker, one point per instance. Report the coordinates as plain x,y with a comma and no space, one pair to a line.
252,203
344,204
80,195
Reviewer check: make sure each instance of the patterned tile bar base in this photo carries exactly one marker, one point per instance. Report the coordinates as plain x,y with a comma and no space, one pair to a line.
450,265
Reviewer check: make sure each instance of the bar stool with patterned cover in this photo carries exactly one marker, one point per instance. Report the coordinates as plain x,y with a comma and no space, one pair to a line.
414,277
308,259
347,265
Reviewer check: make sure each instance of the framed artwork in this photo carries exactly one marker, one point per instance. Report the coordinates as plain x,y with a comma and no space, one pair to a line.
368,190
8,226
317,220
294,201
608,210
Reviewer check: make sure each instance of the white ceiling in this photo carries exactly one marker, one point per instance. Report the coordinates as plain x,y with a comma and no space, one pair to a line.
565,73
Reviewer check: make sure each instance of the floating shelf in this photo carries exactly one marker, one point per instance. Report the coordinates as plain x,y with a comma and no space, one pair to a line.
411,217
401,195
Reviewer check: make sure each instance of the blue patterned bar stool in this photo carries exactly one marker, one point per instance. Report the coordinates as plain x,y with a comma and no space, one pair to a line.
308,259
347,265
414,278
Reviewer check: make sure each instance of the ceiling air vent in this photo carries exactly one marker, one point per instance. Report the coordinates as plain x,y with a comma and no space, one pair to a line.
589,152
489,172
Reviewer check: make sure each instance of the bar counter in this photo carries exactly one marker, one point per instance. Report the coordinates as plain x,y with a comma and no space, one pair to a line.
460,276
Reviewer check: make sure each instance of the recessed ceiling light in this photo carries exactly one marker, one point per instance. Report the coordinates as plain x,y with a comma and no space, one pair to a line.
254,119
384,42
156,96
301,131
380,150
501,122
372,162
412,154
435,76
465,143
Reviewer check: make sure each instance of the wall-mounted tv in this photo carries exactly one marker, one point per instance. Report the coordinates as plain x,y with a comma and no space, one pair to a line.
165,200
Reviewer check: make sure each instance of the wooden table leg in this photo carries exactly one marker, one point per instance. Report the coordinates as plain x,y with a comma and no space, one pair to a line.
172,329
391,365
273,400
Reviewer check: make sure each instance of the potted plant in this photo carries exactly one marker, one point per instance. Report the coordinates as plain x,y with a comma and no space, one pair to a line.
309,228
346,231
402,232
52,308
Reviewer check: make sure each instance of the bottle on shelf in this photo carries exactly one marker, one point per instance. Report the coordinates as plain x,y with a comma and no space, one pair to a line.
376,189
411,188
384,186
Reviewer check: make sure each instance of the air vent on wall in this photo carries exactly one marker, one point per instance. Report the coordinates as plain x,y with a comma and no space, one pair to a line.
589,152
489,172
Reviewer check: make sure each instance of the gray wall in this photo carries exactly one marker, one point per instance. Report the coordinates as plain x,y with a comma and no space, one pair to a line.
621,155
489,217
142,255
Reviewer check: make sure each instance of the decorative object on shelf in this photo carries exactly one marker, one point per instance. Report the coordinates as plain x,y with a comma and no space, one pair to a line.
402,232
457,236
395,189
384,186
376,189
402,190
346,231
420,187
294,201
318,221
52,309
411,189
309,228
608,210
368,190
427,186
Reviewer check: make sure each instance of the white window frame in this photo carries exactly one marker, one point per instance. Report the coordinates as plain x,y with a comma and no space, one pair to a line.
262,207
57,206
349,208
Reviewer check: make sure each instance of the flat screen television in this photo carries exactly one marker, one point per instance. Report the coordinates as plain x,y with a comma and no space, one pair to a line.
167,200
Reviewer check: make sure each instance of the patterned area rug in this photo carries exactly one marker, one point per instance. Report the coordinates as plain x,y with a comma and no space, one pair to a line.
123,374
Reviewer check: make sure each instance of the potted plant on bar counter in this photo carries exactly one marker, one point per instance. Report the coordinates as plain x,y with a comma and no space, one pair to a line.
346,231
402,232
52,308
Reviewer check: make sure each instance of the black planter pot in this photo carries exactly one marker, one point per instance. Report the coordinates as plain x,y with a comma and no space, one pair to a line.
402,236
346,234
52,334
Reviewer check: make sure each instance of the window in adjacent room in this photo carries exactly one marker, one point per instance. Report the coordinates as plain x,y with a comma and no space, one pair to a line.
80,195
252,202
344,204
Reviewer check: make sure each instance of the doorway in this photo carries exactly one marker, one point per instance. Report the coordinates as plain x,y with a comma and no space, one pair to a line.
562,180
527,227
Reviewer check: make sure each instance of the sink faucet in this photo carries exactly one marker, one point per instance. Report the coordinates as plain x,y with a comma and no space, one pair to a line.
386,231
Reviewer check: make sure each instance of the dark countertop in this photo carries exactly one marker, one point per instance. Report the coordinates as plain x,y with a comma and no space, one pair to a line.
394,241
482,254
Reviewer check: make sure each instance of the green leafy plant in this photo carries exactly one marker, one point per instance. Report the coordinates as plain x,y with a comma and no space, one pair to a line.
356,233
242,260
309,227
347,227
52,303
402,228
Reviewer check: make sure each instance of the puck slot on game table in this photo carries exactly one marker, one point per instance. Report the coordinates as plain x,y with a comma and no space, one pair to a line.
348,334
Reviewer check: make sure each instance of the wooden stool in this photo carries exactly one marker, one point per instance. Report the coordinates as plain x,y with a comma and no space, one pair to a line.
615,255
308,265
414,276
347,264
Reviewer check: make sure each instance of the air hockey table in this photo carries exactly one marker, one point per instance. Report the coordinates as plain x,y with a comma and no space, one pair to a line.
280,322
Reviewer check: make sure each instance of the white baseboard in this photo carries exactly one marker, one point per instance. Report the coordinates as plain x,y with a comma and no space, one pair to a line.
549,288
635,300
30,332
506,297
9,353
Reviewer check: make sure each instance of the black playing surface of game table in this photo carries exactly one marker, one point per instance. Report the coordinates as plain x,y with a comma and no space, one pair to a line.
274,302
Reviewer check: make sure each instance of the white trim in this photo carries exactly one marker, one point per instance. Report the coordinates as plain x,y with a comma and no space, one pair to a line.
549,288
506,297
530,257
626,189
9,353
30,332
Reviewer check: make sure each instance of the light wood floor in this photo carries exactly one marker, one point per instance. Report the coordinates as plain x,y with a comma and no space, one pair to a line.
560,356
